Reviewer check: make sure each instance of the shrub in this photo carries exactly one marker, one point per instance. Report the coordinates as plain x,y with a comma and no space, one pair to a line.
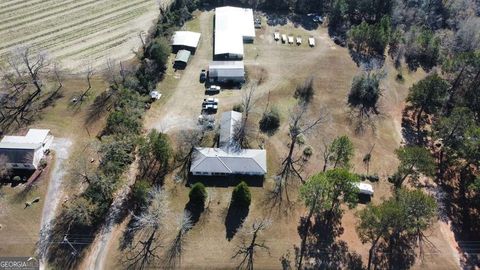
241,196
365,92
140,193
159,51
308,151
43,163
301,139
198,195
270,122
17,178
305,92
238,108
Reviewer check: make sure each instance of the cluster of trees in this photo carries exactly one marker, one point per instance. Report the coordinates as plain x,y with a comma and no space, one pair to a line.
394,228
30,82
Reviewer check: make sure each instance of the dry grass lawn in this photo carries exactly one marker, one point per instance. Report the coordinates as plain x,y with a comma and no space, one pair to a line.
285,66
20,226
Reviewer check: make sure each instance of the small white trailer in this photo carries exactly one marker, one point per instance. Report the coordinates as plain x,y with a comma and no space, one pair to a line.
284,38
311,42
290,39
276,36
365,189
299,40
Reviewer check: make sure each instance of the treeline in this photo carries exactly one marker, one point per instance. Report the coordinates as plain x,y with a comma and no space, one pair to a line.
119,143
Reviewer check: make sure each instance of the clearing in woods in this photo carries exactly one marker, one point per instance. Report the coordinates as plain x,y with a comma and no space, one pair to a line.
76,32
284,66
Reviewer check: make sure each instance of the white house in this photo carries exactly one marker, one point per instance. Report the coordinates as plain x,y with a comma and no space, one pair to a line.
25,152
229,159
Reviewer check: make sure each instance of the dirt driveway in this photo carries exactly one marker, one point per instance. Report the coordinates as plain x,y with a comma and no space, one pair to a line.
183,93
61,147
181,89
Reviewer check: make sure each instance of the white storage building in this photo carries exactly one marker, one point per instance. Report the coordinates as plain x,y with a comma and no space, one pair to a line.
233,26
25,152
226,72
185,40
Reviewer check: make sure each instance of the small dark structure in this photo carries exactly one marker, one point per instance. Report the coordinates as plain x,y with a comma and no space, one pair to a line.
181,59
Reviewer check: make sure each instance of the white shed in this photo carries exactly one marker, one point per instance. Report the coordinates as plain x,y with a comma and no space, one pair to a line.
26,151
185,40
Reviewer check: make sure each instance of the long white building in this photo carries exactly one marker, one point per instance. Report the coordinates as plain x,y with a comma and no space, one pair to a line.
233,27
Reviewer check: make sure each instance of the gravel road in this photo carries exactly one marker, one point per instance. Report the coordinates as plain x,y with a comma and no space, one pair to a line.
61,147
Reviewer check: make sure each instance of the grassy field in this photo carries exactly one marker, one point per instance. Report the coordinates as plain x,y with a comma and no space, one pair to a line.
285,66
76,32
20,226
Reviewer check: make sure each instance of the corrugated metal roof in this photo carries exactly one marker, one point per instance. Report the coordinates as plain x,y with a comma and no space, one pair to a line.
182,56
228,43
14,145
226,69
228,124
34,136
186,38
216,160
235,20
232,25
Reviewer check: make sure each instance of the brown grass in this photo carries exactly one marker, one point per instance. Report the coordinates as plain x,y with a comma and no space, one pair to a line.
20,226
286,66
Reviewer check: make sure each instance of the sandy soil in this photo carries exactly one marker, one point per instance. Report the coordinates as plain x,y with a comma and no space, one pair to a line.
76,33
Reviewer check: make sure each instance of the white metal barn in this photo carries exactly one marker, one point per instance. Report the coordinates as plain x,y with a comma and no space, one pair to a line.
226,72
233,26
185,40
25,152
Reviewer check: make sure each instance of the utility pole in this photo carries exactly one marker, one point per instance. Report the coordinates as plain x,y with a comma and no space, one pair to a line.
65,241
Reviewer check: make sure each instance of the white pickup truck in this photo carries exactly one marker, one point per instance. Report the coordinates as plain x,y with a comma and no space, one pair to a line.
213,89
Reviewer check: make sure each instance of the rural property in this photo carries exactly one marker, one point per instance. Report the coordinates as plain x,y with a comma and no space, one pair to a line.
201,134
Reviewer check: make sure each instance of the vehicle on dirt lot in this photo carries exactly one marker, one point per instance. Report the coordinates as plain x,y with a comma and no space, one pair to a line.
213,89
209,107
203,76
210,101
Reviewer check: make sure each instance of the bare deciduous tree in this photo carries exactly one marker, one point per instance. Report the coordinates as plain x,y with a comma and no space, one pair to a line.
148,225
173,257
25,88
291,164
250,243
187,141
243,128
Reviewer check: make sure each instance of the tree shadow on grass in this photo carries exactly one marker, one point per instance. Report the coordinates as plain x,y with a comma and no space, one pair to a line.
234,219
323,250
195,210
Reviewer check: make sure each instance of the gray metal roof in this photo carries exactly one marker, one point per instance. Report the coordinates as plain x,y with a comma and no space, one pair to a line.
186,38
228,123
182,56
226,69
216,160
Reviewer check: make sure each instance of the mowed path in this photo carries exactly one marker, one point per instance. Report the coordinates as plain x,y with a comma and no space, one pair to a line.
76,32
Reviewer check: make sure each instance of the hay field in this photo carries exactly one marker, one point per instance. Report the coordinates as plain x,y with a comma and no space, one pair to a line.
76,32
